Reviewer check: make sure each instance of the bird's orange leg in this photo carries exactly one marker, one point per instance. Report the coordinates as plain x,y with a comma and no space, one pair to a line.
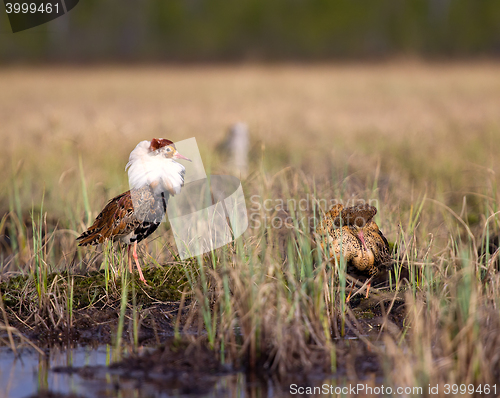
368,289
349,295
134,253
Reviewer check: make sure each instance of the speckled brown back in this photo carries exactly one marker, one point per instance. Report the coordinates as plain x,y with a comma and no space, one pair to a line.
359,215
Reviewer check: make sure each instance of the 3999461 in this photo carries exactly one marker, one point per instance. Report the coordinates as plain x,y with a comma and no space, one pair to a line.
32,8
471,389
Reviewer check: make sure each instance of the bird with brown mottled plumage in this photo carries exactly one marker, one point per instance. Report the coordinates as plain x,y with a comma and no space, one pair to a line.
132,216
352,234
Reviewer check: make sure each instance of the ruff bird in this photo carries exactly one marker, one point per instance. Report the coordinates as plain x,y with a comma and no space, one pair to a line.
132,216
352,234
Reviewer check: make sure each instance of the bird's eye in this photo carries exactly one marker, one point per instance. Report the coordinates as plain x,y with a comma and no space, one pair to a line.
169,149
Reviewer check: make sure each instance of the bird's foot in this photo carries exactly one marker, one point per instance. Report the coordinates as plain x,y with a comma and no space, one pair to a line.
368,289
349,295
141,277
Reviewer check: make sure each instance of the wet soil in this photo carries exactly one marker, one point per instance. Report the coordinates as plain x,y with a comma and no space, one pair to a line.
171,364
175,363
99,325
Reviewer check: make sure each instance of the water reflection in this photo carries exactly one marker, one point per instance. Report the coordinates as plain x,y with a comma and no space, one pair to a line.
31,372
27,375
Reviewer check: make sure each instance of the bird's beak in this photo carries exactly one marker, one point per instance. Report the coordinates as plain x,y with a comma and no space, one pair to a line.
179,156
362,239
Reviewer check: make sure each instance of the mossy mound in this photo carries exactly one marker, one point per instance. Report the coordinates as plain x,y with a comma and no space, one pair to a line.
164,284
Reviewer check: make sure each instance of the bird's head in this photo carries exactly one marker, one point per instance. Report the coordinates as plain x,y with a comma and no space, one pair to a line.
154,163
359,215
165,148
357,218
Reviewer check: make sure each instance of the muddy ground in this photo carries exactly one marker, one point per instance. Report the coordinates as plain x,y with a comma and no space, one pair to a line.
170,362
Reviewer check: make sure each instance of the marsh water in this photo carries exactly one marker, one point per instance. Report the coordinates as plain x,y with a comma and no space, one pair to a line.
83,372
31,373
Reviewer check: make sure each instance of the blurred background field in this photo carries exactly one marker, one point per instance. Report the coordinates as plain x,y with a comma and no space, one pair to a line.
422,126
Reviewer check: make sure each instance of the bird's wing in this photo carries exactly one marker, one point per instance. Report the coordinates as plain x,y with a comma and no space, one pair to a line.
116,219
124,214
383,256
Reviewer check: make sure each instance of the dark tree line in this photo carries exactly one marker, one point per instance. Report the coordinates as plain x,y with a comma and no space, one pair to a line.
228,30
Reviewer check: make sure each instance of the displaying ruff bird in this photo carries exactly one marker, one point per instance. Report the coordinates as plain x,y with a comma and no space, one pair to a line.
352,234
129,218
